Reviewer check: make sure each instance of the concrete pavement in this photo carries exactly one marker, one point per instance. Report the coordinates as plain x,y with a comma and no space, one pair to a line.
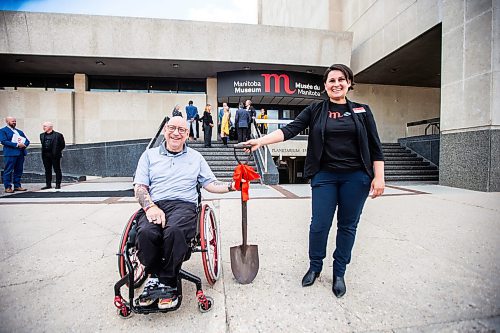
426,259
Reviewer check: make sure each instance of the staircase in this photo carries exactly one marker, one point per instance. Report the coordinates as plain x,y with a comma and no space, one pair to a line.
402,164
221,159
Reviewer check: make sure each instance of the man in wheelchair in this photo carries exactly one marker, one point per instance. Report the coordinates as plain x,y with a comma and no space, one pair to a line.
165,185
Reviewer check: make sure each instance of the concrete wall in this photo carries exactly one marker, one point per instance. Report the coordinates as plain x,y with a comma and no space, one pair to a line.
470,95
382,26
295,13
394,106
96,116
32,107
104,36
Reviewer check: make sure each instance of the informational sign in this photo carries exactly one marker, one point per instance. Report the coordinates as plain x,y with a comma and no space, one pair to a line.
17,139
289,148
269,83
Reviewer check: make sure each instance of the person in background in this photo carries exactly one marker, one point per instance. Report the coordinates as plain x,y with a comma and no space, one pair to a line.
52,146
14,143
176,112
262,115
252,113
345,163
191,116
225,125
220,114
165,185
208,123
242,120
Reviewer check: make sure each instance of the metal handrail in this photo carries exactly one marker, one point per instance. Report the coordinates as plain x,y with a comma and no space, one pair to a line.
154,139
432,122
265,148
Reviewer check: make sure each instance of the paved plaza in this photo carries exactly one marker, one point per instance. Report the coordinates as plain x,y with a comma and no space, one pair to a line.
426,259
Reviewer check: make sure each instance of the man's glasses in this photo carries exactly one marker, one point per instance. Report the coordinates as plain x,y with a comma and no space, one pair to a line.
172,128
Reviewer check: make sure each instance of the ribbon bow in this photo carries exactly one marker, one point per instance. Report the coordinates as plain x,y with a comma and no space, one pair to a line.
247,173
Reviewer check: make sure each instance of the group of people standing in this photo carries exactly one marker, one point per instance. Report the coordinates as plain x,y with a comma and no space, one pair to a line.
15,144
244,117
193,119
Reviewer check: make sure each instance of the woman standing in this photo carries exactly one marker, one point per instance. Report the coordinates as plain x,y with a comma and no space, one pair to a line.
345,163
263,126
208,123
225,125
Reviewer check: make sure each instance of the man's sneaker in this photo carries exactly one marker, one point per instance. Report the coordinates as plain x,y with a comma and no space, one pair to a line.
46,187
168,302
9,190
146,298
21,189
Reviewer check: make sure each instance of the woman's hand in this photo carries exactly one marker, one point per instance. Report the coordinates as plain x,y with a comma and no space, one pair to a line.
377,187
255,143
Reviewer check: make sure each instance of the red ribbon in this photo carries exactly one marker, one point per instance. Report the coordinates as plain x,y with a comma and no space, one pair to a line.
243,171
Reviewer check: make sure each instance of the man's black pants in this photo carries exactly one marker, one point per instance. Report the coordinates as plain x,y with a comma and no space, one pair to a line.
242,134
50,162
162,250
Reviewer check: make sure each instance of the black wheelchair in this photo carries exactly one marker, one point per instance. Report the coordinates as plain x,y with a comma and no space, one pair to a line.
133,274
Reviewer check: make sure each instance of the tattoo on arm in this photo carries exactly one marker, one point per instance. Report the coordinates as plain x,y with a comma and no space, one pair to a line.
220,187
142,195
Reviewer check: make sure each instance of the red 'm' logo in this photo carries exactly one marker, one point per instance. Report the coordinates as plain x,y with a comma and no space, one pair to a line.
277,80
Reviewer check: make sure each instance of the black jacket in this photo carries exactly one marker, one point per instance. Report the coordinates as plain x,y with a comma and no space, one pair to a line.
58,144
314,116
207,118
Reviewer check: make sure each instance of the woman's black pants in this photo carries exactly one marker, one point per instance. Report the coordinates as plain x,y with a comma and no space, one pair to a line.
207,135
346,192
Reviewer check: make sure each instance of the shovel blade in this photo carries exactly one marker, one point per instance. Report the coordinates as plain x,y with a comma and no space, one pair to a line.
244,262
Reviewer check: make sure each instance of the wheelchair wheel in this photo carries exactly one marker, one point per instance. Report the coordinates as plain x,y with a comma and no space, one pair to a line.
210,245
139,270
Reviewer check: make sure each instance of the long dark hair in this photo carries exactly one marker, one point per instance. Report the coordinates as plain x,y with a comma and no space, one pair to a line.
344,69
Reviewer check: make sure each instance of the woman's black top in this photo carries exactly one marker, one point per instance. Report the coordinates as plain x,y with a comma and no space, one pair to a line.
365,137
341,149
207,118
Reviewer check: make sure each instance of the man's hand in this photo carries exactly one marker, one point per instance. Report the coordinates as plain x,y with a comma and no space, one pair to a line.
156,215
21,145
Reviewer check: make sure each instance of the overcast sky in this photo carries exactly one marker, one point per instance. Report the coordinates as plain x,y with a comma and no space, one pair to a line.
234,11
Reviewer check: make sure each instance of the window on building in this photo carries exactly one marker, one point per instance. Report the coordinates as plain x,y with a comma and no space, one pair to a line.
190,86
162,86
44,82
134,85
104,84
60,82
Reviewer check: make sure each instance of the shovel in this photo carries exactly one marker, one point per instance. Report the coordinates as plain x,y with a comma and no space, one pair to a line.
244,257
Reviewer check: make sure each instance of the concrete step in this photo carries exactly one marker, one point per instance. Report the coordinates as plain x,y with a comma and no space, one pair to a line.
221,158
412,178
35,177
400,154
406,162
220,151
411,173
226,167
228,163
410,167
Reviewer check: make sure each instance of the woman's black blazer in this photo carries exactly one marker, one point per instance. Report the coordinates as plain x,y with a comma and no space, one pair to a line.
314,116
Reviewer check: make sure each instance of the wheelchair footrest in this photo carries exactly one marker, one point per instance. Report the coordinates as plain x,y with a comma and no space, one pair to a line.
164,292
